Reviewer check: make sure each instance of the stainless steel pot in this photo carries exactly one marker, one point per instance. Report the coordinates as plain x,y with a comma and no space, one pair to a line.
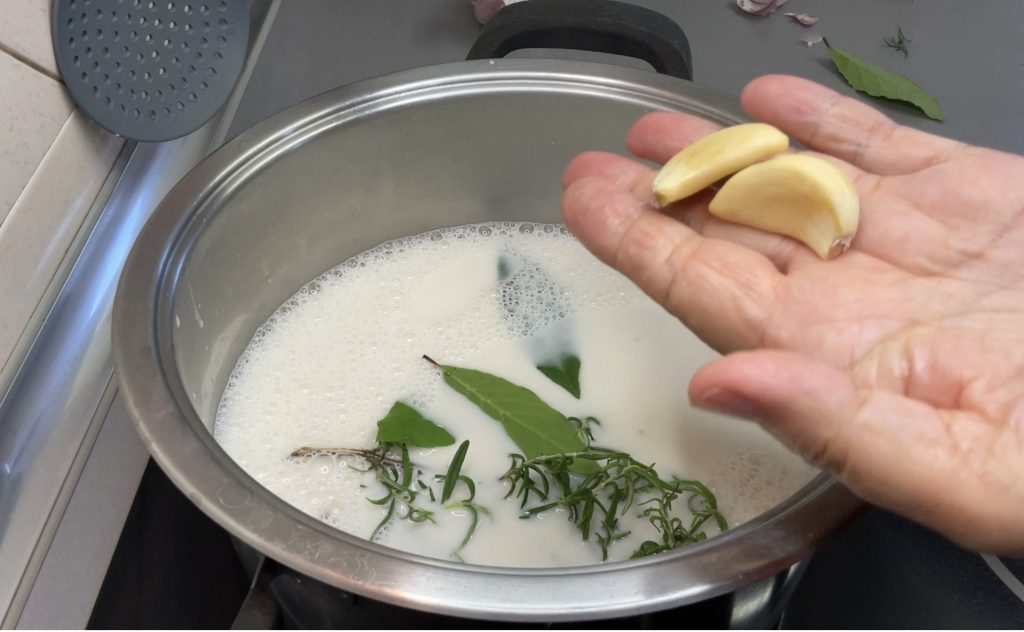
297,194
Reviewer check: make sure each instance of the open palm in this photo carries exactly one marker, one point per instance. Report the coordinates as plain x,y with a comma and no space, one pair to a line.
900,365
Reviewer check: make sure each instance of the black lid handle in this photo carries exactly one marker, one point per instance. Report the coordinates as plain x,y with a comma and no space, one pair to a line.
603,26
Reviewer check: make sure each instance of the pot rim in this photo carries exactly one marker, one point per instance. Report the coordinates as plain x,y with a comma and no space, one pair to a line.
177,439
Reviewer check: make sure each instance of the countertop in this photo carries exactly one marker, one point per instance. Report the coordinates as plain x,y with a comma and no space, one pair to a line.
967,54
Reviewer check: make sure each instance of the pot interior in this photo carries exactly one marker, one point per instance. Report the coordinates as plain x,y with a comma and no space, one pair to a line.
464,158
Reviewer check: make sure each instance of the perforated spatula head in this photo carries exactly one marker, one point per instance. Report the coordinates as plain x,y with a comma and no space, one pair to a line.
147,70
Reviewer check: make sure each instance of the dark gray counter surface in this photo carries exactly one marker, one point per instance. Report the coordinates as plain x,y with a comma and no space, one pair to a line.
969,54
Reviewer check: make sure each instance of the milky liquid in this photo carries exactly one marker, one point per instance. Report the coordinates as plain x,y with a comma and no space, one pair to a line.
331,362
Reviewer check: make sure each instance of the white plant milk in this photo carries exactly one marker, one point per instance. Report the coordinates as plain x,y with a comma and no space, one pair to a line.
331,362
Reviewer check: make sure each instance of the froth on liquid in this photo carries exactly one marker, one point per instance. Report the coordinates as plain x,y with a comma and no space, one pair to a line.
333,359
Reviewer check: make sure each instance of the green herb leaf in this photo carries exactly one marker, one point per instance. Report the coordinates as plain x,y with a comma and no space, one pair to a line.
565,372
405,425
879,82
452,477
536,428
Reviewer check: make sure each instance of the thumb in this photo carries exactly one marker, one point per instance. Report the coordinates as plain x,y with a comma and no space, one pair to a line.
889,449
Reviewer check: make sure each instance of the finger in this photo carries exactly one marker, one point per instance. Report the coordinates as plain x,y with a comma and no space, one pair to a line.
827,121
891,450
719,289
660,135
620,172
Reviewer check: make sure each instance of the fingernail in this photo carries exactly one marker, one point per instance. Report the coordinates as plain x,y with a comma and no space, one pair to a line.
724,401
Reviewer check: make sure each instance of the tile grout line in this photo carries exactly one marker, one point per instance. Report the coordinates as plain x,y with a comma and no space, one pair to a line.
10,52
49,148
38,316
4,227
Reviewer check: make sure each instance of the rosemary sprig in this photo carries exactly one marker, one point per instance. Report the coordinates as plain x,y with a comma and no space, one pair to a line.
452,478
472,508
899,42
396,472
393,471
619,483
397,480
375,456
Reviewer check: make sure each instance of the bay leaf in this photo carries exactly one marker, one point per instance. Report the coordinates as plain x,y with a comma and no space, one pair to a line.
878,82
405,425
565,372
536,428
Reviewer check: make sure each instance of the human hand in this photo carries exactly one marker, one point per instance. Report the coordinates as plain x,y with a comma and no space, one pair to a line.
899,366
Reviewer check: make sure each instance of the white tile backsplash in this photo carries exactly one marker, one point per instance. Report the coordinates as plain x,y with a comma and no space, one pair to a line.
25,30
39,229
33,108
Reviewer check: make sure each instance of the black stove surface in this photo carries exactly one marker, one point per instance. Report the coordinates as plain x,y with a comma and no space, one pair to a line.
174,568
888,572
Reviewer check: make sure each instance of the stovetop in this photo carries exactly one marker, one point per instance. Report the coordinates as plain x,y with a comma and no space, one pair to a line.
174,568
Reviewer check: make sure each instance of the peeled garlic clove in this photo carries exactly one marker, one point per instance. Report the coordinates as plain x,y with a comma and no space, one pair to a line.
714,157
797,195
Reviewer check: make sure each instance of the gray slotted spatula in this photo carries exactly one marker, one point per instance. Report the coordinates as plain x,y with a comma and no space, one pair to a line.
147,70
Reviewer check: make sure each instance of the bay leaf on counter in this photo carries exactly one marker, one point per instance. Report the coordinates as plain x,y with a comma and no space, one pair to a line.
876,81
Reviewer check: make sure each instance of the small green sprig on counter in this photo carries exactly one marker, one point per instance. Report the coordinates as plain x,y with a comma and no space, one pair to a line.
899,42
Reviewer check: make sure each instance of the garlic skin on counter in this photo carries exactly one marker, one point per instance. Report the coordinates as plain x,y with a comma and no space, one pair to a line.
484,10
